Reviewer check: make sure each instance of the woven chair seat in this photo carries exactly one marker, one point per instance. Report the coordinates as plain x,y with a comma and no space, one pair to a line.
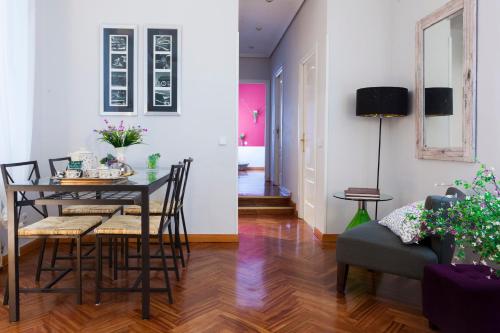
61,225
127,225
90,209
155,208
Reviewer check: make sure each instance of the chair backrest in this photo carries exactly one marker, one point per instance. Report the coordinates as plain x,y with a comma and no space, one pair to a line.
171,199
187,165
52,161
33,173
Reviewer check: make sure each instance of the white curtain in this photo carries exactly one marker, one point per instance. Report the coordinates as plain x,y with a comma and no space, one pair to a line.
17,62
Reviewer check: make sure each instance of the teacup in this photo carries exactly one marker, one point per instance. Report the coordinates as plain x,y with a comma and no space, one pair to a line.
92,173
115,173
104,173
73,173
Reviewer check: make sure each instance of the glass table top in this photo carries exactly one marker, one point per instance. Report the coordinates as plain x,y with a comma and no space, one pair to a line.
383,197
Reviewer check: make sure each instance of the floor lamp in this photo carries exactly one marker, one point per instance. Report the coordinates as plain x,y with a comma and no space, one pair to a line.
381,102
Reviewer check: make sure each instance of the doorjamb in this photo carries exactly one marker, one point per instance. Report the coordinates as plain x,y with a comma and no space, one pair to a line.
279,71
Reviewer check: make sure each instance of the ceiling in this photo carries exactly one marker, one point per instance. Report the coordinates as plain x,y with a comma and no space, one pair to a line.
273,17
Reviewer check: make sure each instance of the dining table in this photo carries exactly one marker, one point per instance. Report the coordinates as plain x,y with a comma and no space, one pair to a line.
134,190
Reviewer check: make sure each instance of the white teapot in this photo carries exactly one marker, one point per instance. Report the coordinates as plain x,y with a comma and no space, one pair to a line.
88,159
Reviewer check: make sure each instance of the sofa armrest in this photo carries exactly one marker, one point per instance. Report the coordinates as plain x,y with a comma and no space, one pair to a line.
444,247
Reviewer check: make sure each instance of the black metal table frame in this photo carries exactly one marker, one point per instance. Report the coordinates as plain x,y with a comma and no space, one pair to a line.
116,194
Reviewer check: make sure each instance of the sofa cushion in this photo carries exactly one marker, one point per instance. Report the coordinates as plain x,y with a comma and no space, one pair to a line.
373,246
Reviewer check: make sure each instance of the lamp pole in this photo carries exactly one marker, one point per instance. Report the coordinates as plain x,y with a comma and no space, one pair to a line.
378,162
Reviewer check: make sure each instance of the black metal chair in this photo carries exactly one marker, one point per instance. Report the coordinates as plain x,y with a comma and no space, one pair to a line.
54,227
155,208
80,210
129,226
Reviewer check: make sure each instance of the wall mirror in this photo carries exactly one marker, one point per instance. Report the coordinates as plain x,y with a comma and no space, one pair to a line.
445,83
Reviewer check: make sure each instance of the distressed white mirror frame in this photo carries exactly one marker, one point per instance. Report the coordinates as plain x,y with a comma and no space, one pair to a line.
466,153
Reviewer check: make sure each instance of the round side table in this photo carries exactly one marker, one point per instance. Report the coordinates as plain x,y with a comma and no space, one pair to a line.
361,215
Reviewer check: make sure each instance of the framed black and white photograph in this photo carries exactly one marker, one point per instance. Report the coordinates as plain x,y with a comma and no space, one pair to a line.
118,70
162,70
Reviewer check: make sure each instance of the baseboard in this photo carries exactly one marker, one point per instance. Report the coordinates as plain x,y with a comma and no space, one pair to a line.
255,169
213,238
325,238
194,238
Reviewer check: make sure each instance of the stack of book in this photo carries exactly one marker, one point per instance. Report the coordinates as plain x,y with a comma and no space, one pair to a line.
362,193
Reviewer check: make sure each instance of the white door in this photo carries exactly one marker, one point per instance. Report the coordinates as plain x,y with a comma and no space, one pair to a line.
308,138
277,134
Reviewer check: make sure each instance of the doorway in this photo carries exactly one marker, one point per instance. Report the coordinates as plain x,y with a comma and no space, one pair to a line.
307,137
277,135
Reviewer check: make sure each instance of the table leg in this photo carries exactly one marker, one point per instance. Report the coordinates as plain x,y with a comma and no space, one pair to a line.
361,216
13,256
145,252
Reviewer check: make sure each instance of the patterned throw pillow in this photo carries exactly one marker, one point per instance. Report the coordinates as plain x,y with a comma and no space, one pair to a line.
399,223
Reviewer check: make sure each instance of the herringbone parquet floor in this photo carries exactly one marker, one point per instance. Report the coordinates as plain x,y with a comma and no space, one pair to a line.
279,278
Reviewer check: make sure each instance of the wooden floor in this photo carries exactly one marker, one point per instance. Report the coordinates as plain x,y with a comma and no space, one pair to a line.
279,278
253,183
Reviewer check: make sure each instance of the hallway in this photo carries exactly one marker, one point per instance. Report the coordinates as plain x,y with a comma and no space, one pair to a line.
279,278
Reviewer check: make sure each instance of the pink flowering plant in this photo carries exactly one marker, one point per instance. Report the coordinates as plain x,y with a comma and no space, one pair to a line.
119,136
474,222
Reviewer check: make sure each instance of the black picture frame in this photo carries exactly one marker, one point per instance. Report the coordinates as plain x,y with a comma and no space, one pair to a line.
162,72
118,70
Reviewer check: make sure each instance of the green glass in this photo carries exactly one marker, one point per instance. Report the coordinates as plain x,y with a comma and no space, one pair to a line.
361,217
152,163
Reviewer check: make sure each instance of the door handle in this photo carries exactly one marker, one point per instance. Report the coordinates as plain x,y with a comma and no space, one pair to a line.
303,141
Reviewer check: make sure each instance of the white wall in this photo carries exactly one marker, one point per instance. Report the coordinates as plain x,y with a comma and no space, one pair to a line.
307,32
254,156
255,68
412,179
359,56
67,94
379,49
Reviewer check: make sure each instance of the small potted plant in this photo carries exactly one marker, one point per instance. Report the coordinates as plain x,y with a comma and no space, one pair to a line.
242,138
474,222
121,137
153,160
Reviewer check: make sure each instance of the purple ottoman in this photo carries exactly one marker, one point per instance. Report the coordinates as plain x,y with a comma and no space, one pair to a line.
461,299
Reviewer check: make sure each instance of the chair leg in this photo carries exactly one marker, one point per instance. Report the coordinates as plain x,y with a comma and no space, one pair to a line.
174,256
71,247
115,258
40,260
110,253
126,253
6,291
178,242
188,249
98,274
342,271
54,253
165,269
79,270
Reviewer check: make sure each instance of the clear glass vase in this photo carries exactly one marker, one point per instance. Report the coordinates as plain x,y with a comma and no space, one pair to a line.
120,154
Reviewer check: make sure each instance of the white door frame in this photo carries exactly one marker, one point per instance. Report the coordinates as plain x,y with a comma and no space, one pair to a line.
300,195
267,137
277,172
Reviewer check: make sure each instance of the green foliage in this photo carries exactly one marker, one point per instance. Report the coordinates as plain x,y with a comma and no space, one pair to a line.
474,222
154,157
121,136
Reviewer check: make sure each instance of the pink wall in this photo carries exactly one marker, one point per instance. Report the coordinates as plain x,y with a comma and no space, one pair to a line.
252,97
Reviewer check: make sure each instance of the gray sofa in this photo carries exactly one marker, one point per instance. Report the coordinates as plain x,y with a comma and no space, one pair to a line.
375,247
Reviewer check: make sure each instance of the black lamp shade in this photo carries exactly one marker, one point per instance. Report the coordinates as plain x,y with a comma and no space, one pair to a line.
382,102
438,102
